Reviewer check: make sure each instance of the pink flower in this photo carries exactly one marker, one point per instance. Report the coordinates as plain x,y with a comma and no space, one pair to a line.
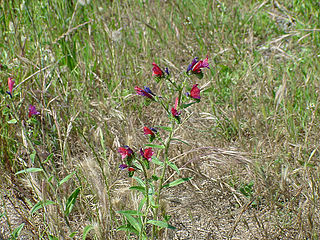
10,86
32,111
147,153
156,71
195,92
125,151
195,66
174,110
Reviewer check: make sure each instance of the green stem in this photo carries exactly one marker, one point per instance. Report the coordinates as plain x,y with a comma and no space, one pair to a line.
145,173
158,194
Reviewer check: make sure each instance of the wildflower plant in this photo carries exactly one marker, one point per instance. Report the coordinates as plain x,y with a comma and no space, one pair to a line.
148,165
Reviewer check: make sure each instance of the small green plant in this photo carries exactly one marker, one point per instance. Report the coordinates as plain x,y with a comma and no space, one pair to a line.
150,181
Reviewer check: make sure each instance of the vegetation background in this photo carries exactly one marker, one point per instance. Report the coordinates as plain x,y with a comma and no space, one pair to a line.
253,140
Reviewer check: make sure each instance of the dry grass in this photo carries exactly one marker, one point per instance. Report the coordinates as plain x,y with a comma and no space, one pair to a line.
252,142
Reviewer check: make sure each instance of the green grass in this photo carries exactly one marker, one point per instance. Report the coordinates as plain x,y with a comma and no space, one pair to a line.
79,64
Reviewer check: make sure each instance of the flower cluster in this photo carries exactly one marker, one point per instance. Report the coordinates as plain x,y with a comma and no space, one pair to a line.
32,109
132,161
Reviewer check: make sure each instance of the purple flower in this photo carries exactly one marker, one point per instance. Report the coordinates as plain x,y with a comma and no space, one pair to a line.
146,92
196,65
146,89
123,166
32,111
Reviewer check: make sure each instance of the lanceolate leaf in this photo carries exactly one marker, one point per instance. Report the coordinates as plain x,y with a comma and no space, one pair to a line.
134,223
165,128
40,205
155,146
16,232
128,228
157,161
131,212
66,178
161,224
140,181
71,201
86,230
179,140
177,182
30,170
173,166
139,188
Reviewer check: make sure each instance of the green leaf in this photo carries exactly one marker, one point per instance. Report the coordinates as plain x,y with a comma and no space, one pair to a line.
131,212
140,181
48,158
138,188
173,166
66,179
177,182
199,75
142,202
29,170
179,140
16,232
155,177
169,129
50,178
133,221
155,146
161,224
12,121
187,104
72,234
71,201
40,205
51,237
156,161
128,228
86,230
33,156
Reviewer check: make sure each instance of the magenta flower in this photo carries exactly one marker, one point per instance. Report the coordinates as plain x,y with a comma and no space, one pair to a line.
32,111
156,71
174,110
125,151
149,131
195,92
147,153
10,86
146,92
196,65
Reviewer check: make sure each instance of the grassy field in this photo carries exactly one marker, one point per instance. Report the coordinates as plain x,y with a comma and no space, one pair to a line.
251,145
